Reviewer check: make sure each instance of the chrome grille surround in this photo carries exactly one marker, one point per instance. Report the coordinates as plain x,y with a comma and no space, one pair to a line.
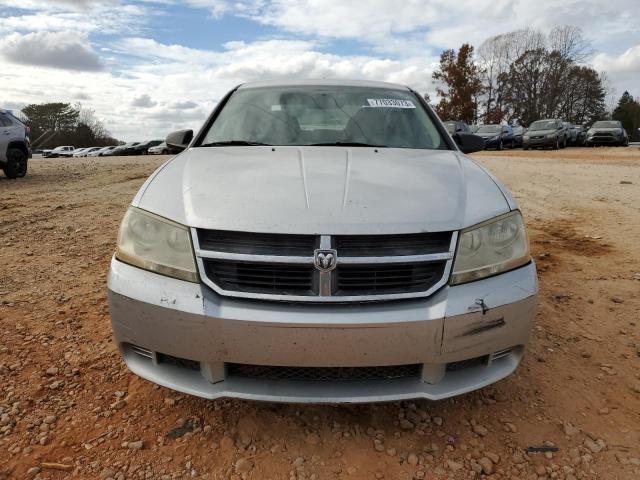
325,283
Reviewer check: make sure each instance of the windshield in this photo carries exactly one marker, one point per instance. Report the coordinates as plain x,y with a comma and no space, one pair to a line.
324,115
490,129
543,125
606,125
518,130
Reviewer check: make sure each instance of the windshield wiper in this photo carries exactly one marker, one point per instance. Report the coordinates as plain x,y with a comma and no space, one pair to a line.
234,143
346,144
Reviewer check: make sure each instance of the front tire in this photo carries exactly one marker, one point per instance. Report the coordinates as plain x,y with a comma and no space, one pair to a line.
556,145
16,163
500,146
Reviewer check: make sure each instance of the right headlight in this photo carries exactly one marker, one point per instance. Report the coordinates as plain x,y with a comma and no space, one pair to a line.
492,247
156,244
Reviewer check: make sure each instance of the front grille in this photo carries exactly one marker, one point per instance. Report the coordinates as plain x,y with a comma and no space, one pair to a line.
326,374
284,267
375,279
392,245
255,277
257,243
178,362
469,363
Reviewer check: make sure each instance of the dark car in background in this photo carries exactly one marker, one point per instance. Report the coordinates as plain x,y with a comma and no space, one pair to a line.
474,128
571,134
607,132
126,149
581,135
496,136
143,147
518,133
549,133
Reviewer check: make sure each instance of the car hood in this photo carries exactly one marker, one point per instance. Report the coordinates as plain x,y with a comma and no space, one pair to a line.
541,132
605,130
323,190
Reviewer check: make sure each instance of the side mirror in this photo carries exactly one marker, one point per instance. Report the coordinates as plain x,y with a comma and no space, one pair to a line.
179,140
468,142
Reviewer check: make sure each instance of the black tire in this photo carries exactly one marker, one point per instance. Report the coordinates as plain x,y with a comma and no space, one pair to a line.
16,166
556,145
525,148
500,146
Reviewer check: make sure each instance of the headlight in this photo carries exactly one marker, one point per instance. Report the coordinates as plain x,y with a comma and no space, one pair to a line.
490,248
156,244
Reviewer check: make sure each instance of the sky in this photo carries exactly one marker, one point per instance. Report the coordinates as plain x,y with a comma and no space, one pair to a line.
153,66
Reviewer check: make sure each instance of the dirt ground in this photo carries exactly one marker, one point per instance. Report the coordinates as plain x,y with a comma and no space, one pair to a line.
70,409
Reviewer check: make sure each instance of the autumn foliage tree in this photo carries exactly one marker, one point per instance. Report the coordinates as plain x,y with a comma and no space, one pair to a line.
459,85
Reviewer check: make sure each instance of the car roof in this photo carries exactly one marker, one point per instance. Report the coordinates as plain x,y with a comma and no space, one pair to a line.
323,82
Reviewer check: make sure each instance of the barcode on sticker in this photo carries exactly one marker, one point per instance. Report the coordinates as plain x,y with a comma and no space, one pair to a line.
390,103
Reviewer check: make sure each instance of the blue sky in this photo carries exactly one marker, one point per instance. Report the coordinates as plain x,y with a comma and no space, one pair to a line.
147,67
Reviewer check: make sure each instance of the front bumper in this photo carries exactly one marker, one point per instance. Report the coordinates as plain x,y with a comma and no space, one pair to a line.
539,142
604,140
156,317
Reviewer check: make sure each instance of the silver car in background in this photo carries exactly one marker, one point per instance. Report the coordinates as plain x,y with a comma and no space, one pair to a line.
322,241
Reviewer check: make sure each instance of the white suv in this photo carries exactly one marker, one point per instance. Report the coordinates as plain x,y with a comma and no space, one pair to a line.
14,145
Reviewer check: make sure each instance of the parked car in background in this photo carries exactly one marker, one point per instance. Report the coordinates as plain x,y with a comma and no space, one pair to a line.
457,126
474,128
126,149
62,151
607,132
161,149
518,133
581,135
254,265
14,145
571,134
496,136
548,133
78,152
90,150
101,151
143,147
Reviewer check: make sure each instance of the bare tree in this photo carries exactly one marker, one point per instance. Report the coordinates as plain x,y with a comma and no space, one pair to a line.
569,42
495,57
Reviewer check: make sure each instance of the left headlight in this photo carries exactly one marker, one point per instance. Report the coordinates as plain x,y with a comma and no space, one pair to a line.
156,244
492,247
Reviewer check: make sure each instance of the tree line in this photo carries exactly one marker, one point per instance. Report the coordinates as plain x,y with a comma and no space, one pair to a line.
58,123
523,76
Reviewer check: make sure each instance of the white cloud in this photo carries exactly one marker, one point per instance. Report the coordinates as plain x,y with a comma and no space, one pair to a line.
623,69
438,23
143,101
64,50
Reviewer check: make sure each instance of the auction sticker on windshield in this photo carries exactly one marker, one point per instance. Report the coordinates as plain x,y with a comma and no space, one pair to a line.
390,103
